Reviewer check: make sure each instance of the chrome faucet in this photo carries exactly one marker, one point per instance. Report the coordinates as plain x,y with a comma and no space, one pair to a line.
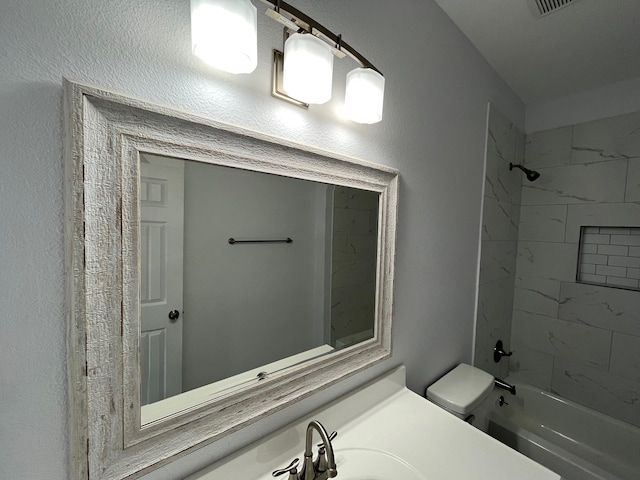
309,470
323,467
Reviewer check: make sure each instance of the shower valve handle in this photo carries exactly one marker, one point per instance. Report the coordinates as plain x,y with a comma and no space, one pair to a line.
498,352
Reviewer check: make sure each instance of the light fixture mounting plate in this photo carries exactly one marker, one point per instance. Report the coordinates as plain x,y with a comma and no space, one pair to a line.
276,81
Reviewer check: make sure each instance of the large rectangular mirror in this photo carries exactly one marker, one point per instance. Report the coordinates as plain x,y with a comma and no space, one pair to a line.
244,274
216,275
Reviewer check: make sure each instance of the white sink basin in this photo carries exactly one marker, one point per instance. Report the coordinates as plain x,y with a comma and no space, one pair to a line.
369,464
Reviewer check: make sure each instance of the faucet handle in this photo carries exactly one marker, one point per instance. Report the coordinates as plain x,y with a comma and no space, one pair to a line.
292,470
320,464
333,435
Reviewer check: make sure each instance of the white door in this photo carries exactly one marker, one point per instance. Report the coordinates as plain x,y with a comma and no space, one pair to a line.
161,239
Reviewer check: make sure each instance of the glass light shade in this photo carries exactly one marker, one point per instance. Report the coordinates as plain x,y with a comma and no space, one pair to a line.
308,69
224,34
364,95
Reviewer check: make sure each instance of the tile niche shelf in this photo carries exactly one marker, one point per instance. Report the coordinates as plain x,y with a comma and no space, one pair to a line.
610,256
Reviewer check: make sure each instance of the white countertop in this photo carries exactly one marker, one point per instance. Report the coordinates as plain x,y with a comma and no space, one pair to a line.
386,416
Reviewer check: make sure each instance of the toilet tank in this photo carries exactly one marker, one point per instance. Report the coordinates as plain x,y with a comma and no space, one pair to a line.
461,390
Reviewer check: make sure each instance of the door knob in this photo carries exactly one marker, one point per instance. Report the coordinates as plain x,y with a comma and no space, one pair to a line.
174,315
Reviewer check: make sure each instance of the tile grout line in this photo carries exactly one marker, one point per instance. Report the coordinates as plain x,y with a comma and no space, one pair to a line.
566,214
573,128
626,181
610,352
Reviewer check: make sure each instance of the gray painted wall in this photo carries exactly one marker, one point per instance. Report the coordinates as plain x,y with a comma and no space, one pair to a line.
248,305
604,102
433,131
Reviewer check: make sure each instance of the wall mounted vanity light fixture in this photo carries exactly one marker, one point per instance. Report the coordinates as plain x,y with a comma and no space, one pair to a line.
224,34
364,95
308,68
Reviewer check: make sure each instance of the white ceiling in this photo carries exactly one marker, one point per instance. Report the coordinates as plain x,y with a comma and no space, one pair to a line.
585,45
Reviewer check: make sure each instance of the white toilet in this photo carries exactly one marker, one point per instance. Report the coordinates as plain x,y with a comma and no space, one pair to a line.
466,393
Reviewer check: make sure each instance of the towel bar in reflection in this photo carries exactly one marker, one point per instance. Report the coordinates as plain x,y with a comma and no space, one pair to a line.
233,241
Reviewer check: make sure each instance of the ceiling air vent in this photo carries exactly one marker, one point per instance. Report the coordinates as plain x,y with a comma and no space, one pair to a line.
542,8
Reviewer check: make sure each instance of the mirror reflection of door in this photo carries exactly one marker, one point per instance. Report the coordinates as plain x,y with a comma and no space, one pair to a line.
161,296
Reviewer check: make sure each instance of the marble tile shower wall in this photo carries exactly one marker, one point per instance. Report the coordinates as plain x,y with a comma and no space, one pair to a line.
353,282
500,216
581,341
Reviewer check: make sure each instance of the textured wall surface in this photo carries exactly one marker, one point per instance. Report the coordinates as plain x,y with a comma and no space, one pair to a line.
581,341
499,241
433,131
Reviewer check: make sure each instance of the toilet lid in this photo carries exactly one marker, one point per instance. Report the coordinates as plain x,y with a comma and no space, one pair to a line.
462,389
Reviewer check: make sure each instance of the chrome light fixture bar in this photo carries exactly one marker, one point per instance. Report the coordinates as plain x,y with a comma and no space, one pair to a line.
294,19
364,87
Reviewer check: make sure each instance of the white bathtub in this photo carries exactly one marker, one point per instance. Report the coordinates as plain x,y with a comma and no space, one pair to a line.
574,441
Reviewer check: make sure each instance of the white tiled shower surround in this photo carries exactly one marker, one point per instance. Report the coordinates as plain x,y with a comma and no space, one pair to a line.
353,284
610,256
581,341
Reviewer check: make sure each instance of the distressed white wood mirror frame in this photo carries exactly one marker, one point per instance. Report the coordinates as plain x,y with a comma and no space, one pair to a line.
104,134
